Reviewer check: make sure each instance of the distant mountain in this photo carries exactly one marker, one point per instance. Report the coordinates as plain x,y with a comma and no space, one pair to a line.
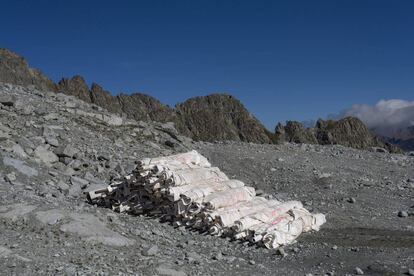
220,117
14,69
216,117
210,118
403,137
349,132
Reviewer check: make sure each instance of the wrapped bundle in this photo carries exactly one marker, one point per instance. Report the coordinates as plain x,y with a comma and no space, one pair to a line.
174,193
287,231
227,217
228,198
265,215
186,190
188,176
201,192
284,234
191,158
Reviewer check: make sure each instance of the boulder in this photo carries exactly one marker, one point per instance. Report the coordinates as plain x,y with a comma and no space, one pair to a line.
44,155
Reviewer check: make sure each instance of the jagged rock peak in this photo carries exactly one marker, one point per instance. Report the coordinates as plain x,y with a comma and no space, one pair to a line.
76,86
14,69
349,132
219,117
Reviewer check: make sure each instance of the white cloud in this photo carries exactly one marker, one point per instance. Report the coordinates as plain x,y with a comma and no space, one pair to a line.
387,117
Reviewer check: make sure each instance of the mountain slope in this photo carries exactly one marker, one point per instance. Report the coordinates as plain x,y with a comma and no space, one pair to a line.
14,69
349,132
219,117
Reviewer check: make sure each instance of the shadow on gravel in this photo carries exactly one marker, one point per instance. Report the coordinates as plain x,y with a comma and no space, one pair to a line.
364,237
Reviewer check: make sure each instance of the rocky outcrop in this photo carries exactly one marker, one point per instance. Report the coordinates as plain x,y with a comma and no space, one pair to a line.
135,106
215,117
146,108
15,70
296,133
219,117
104,99
76,86
349,132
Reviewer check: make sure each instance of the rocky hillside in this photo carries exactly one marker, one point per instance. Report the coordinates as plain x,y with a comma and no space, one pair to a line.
219,117
215,117
14,69
55,147
349,132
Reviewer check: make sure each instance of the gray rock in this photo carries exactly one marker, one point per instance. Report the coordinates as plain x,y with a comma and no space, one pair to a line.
10,177
44,155
281,251
359,271
66,151
151,251
53,141
16,211
7,100
351,200
4,252
77,181
91,229
20,166
62,186
164,270
19,151
50,217
403,214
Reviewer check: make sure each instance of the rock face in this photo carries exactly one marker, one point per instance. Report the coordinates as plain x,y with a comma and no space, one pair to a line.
294,132
76,86
143,107
219,117
402,137
104,99
14,69
136,106
349,132
215,117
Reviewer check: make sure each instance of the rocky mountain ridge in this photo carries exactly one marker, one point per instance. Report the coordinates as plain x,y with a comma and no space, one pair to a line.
215,117
349,132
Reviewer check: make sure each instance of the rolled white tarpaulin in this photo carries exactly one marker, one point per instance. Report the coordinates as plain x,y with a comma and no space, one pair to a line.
310,221
191,157
258,231
188,176
203,187
283,235
265,215
228,215
228,198
199,193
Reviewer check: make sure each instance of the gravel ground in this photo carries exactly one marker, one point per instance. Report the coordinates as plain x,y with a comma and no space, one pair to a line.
53,148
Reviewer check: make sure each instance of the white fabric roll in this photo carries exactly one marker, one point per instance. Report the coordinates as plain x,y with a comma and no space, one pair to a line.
188,176
228,198
265,215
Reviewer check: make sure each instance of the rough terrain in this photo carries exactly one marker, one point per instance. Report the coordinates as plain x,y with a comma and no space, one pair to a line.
54,147
216,117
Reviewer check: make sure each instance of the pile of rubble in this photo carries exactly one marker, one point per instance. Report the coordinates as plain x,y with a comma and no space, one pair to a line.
187,190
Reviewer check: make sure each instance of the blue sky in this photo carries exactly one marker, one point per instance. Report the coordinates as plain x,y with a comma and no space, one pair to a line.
284,60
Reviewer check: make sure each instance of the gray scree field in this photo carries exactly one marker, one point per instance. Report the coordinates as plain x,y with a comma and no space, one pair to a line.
54,147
